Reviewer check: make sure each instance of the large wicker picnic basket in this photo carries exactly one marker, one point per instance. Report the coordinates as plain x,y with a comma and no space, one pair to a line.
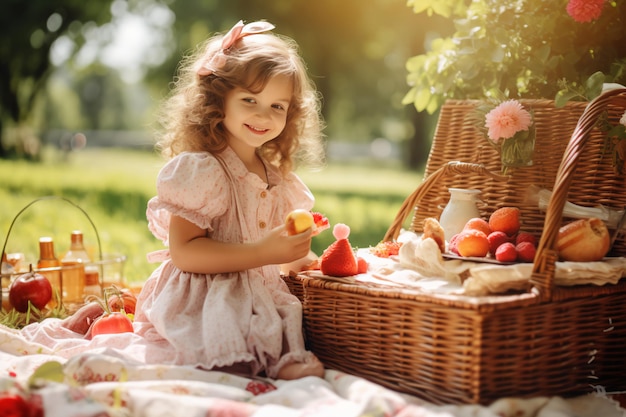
548,340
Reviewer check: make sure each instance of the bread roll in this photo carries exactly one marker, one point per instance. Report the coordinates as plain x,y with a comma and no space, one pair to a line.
584,240
433,230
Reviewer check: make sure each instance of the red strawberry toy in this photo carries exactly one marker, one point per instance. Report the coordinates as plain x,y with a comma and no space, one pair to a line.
338,259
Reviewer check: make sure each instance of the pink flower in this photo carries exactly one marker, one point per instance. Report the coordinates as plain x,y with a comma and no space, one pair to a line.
506,120
585,10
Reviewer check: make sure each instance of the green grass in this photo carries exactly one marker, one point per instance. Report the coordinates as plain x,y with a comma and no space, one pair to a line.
113,186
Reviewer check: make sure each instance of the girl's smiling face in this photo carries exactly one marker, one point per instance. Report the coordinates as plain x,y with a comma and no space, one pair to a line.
252,119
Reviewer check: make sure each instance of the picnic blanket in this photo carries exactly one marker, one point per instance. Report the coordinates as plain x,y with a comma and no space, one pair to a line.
91,378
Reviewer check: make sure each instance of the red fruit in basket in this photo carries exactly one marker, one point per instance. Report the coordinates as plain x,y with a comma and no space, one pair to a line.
495,240
452,245
472,243
31,286
506,252
525,237
338,259
505,219
478,223
526,252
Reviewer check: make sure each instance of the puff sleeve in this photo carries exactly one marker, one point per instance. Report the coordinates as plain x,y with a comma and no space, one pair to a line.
192,186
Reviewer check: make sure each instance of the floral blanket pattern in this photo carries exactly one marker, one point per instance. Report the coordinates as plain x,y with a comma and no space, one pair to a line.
105,382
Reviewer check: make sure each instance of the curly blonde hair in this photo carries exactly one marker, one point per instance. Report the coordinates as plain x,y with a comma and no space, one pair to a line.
192,115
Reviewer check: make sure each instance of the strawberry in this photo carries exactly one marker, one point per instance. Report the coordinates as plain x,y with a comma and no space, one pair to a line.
525,237
526,252
506,252
495,240
338,259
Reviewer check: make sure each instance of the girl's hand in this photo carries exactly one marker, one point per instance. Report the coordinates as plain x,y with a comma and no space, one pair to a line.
81,320
279,248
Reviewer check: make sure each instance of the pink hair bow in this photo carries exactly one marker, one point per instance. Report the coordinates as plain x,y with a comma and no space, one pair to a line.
211,63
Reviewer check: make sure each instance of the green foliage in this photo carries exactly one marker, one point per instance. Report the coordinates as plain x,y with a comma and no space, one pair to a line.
29,30
522,48
445,8
113,187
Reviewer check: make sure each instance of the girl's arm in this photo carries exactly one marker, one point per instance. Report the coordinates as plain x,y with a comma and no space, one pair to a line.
192,251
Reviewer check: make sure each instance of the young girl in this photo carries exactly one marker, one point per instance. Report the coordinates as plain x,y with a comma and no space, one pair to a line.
240,112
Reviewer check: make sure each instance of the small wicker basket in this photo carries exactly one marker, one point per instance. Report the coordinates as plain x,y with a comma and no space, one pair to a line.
110,266
459,349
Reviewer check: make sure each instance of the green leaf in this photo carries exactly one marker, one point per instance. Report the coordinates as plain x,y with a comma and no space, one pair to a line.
415,63
422,98
49,371
433,105
441,8
543,53
593,85
563,96
409,97
617,131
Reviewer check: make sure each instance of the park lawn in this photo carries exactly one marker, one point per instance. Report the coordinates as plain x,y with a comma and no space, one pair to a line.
105,192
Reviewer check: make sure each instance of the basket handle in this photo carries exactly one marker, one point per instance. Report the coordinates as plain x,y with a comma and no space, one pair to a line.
51,197
450,168
542,278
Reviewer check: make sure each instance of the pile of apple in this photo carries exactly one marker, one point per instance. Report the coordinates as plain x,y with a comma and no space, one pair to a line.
499,237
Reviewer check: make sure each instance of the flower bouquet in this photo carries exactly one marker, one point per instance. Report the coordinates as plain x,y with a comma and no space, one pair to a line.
509,128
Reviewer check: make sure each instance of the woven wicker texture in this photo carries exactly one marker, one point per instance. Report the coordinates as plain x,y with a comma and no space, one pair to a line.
456,138
459,349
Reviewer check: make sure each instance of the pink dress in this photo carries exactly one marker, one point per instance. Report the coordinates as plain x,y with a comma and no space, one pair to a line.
215,320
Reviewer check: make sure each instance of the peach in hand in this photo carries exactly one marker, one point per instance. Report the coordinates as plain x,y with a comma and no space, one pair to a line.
298,221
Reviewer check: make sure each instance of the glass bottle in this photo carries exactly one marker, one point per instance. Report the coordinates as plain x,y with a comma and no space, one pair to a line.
88,275
460,208
6,267
48,260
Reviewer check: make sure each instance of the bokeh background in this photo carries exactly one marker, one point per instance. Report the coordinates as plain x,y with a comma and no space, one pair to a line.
80,82
100,68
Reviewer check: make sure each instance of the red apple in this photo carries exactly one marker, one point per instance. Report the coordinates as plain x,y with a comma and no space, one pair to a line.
31,286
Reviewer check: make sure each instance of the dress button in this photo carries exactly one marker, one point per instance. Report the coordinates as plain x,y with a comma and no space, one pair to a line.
263,194
262,224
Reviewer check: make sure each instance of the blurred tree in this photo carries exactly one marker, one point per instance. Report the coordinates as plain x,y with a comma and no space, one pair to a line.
30,28
356,54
